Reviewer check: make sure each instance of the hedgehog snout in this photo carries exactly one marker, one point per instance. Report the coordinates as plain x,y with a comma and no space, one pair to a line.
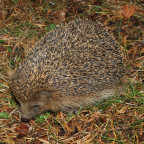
24,119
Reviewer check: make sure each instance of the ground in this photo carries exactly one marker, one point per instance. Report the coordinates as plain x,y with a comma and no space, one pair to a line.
119,119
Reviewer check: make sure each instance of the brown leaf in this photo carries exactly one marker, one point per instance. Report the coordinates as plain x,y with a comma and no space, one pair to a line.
60,15
7,109
22,130
44,141
96,2
2,16
128,11
123,110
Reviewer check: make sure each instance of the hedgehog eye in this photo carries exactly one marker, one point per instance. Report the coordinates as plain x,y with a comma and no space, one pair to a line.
35,107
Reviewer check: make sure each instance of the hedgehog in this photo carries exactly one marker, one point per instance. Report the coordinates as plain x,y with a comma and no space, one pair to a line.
71,67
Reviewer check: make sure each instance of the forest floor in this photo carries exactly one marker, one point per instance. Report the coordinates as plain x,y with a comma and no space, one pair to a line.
119,119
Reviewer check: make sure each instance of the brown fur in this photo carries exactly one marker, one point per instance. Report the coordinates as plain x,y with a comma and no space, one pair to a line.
76,65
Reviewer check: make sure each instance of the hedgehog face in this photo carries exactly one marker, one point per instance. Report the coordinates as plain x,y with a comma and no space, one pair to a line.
36,106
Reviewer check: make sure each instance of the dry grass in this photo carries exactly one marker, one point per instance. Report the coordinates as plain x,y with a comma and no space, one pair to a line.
116,120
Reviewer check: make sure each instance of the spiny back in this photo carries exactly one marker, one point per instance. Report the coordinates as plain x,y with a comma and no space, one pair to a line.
75,59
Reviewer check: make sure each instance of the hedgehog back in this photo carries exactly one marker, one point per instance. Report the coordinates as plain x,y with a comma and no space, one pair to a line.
75,59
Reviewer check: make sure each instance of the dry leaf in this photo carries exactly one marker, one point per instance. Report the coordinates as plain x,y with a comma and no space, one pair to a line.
2,16
60,15
123,110
44,141
127,11
22,130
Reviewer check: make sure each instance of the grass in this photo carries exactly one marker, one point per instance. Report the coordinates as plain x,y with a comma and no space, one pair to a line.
119,119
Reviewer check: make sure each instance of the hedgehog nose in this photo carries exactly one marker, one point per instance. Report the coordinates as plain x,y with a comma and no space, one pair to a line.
24,119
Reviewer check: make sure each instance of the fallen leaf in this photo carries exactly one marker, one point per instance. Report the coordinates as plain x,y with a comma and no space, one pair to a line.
123,110
128,11
22,130
60,15
2,16
44,141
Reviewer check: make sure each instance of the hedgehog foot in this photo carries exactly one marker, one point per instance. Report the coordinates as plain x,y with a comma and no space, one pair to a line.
71,112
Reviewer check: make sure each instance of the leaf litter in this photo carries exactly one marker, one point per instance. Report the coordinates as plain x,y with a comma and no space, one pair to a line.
116,120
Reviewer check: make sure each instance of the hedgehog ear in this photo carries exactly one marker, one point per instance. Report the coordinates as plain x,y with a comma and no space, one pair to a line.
44,94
